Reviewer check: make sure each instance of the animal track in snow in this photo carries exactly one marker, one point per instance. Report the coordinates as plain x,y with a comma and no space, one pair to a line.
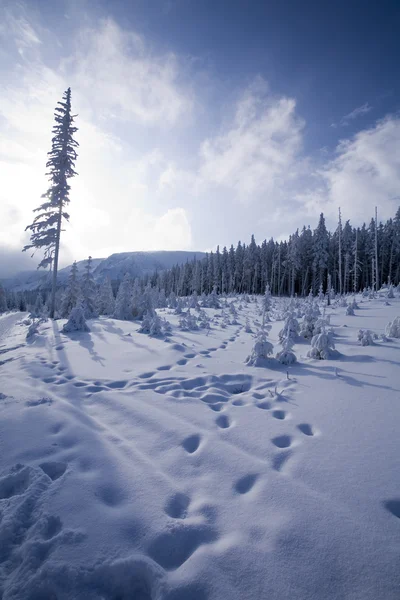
280,460
56,428
177,506
238,402
39,402
217,407
246,483
282,441
50,526
147,375
93,389
279,414
15,483
53,469
223,421
191,443
393,506
181,362
117,385
172,549
306,429
264,405
109,495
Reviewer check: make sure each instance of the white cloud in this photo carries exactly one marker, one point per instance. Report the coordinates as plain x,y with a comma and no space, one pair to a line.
364,173
258,149
136,191
121,78
172,230
15,25
354,114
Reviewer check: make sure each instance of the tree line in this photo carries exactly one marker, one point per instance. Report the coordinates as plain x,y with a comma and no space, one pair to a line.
310,261
297,266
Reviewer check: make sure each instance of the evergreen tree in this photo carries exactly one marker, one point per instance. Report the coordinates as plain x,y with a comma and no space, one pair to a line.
89,291
320,251
46,226
72,294
123,302
106,302
3,301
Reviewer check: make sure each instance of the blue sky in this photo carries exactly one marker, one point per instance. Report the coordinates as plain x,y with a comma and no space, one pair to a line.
200,122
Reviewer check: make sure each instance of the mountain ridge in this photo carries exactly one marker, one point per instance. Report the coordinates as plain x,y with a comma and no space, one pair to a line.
136,263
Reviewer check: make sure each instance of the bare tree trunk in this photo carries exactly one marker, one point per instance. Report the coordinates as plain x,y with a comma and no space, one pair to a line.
303,290
355,264
340,253
55,265
390,263
376,249
279,271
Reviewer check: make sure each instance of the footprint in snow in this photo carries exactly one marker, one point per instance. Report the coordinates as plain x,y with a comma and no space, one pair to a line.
279,414
38,402
191,443
223,422
265,405
15,483
172,549
393,506
177,506
147,375
306,429
53,469
246,483
279,460
282,441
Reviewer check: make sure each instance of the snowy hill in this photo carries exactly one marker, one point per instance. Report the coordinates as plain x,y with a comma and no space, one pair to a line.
168,469
115,266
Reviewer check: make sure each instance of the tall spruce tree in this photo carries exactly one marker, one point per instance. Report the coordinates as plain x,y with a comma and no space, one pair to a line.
72,295
3,300
89,292
46,226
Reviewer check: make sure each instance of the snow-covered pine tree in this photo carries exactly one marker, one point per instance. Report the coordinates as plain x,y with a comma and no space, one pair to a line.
3,301
39,305
89,292
106,302
72,294
322,346
340,253
76,321
393,328
46,226
123,302
262,348
320,251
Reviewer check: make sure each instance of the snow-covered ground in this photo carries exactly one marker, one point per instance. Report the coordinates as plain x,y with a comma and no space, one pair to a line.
139,468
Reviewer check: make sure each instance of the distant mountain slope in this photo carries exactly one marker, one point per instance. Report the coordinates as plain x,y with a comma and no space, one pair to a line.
115,266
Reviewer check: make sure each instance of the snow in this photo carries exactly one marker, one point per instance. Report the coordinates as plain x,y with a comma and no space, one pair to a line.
140,467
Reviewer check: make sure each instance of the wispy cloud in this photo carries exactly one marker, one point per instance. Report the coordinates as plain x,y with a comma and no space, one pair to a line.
354,114
122,79
364,173
149,178
258,148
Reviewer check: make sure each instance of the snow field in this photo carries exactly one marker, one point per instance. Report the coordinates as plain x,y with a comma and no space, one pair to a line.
137,467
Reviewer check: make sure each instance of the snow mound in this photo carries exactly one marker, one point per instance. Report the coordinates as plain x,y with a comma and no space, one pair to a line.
393,328
76,321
